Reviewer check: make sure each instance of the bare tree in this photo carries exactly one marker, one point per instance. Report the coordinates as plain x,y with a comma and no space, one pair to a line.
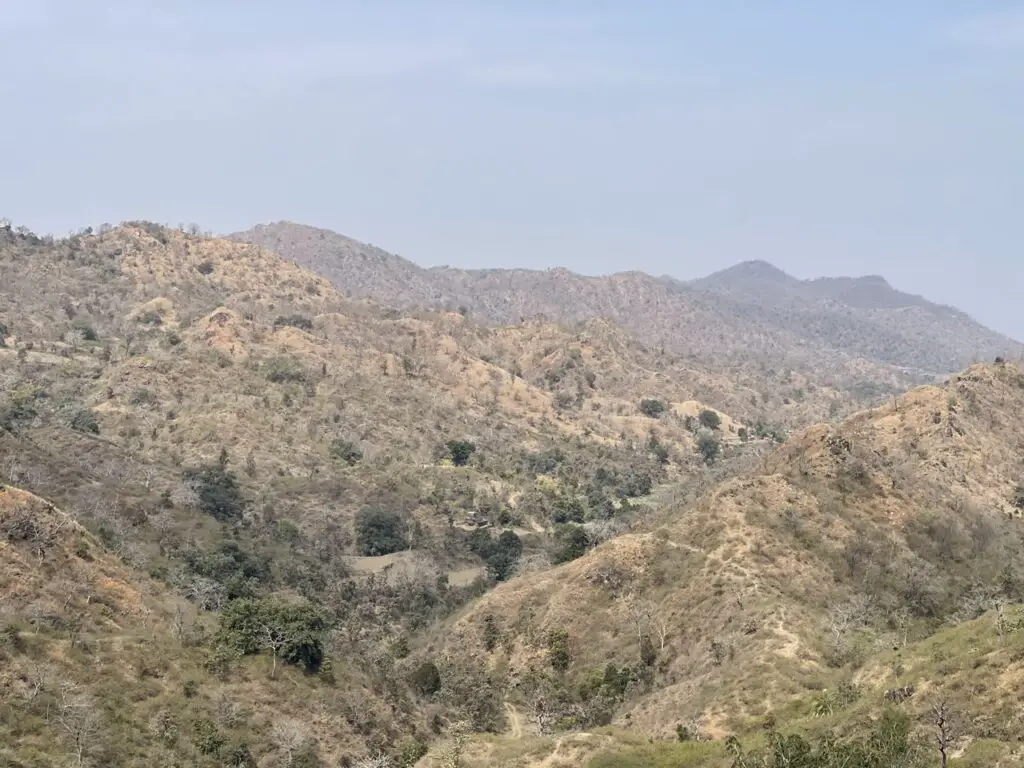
289,737
77,715
375,761
273,639
948,727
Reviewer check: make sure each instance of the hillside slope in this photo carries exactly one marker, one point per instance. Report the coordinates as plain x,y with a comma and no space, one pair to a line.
233,431
791,581
750,313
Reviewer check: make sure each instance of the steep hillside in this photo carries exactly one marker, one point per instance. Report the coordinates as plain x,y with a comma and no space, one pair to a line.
235,432
859,333
814,583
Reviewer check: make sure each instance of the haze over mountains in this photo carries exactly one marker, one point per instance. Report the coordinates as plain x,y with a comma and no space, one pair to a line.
750,312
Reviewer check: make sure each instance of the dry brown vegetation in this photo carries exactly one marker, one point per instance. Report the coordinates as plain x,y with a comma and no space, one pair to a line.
199,425
753,322
849,540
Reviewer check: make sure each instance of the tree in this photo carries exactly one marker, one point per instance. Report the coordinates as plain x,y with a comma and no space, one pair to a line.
78,716
947,728
709,419
709,447
652,408
571,542
379,532
460,451
218,491
503,554
426,679
293,631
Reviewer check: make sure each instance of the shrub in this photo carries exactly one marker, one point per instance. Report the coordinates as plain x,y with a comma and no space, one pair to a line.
1018,496
559,655
709,448
571,542
379,532
426,679
709,419
301,322
282,370
347,451
652,408
218,491
4,333
460,451
84,420
88,332
205,267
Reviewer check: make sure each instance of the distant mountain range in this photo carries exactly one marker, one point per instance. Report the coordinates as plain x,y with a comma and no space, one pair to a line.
752,312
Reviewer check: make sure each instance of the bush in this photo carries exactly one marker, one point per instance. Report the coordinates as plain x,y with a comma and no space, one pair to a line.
571,542
652,408
301,322
460,451
347,451
709,448
559,655
205,267
426,679
4,333
379,532
218,491
84,420
709,419
282,370
88,332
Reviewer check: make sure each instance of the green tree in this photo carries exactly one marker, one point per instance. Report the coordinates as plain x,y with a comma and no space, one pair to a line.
709,419
652,408
460,451
503,554
218,491
571,542
379,532
709,448
292,631
426,679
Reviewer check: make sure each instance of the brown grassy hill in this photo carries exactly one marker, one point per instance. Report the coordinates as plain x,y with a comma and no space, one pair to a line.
102,665
857,332
219,419
792,581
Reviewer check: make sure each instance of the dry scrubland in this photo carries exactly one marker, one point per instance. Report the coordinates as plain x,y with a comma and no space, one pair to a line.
247,520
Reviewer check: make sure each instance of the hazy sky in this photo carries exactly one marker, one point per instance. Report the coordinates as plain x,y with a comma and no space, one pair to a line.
839,137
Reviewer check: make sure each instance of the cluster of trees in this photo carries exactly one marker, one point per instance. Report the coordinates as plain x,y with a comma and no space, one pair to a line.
291,632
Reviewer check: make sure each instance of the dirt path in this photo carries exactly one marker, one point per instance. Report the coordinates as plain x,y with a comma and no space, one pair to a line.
515,722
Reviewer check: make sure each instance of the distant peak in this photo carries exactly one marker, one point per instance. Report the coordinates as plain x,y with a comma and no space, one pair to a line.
756,270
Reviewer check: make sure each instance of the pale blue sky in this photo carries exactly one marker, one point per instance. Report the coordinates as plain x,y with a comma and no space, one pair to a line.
840,137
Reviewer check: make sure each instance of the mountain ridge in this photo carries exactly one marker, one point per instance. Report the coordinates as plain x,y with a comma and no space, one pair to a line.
752,310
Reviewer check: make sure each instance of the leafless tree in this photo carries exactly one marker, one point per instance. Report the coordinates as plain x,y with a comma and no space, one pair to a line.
375,761
273,639
289,737
78,716
948,728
